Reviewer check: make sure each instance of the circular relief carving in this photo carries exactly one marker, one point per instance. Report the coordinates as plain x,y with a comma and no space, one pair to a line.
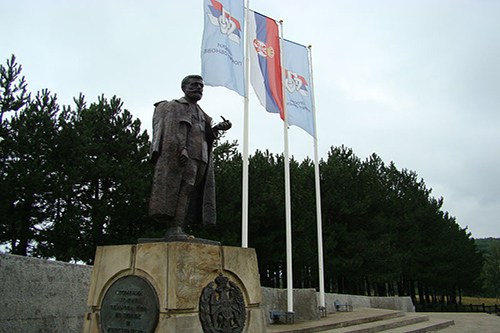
130,305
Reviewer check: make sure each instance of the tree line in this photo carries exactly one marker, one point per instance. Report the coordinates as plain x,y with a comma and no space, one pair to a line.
383,232
77,177
72,177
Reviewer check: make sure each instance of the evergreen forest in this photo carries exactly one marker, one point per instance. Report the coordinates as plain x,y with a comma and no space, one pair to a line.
76,177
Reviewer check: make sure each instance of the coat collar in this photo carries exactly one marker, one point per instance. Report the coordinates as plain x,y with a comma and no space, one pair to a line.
183,100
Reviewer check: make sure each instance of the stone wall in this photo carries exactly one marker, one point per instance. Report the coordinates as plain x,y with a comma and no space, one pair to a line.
404,304
306,302
42,296
38,295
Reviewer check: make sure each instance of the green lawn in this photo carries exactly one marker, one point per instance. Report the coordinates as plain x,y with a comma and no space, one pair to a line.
480,300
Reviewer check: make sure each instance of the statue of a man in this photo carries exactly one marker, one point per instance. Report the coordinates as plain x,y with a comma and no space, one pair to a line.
183,189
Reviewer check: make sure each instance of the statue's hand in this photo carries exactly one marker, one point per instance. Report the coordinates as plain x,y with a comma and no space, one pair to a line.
223,126
183,157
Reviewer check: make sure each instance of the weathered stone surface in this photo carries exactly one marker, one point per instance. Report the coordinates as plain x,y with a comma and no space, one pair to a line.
46,296
305,305
182,323
255,319
178,271
42,296
391,303
91,322
243,263
189,265
306,308
110,263
305,300
149,259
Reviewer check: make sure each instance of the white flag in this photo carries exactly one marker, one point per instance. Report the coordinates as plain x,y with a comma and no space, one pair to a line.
298,87
222,49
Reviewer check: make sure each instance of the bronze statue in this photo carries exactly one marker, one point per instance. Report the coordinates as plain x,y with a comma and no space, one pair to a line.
183,189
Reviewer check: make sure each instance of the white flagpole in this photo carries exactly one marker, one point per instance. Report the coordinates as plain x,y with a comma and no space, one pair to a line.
244,196
318,194
288,210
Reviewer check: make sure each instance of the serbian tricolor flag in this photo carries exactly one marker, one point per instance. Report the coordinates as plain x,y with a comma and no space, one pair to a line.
222,56
265,67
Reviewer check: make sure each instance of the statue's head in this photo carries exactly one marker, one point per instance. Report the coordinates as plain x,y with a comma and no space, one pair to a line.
192,86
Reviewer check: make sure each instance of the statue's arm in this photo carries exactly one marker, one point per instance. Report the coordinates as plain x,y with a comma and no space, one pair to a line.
222,126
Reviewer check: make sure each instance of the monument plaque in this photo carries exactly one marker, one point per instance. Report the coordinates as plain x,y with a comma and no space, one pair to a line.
130,305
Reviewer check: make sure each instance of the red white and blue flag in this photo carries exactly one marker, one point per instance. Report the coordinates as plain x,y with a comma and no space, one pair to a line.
222,49
298,89
265,67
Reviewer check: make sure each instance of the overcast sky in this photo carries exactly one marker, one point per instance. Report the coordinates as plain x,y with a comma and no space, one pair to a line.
416,82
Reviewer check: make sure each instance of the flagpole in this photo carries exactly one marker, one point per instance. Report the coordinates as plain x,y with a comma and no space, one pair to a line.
244,196
288,211
318,194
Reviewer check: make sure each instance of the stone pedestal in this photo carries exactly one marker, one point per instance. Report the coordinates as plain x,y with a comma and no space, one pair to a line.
175,274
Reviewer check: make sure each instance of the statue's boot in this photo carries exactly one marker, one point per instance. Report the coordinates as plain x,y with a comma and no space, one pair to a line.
175,233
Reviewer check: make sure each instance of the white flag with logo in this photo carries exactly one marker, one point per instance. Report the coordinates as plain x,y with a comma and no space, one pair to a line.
298,87
222,49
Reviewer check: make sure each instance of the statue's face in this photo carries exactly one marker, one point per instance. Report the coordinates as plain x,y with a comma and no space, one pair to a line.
194,89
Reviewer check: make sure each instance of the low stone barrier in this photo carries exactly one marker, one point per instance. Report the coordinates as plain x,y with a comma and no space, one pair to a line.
38,295
404,304
306,302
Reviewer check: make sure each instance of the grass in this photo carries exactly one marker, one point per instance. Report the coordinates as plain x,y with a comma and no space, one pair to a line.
466,300
480,300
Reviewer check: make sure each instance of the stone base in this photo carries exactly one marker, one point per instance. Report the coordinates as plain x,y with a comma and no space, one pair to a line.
178,272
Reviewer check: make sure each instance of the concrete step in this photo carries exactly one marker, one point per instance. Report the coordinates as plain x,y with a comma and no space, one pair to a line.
434,324
364,321
367,321
386,324
338,320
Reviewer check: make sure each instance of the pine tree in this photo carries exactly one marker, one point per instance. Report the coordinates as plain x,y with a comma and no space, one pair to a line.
28,172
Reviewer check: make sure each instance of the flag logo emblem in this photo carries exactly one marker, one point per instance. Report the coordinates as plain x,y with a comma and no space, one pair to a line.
262,49
221,17
296,83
